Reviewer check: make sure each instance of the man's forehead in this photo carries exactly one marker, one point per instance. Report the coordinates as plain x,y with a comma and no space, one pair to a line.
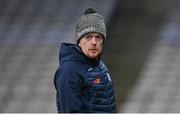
94,34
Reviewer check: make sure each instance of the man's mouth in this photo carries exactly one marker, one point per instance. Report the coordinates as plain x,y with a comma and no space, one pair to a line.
93,49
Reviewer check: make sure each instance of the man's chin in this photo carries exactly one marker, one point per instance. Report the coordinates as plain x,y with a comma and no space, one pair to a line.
93,56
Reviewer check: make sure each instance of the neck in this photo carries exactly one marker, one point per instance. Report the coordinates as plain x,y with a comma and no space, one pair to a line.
91,60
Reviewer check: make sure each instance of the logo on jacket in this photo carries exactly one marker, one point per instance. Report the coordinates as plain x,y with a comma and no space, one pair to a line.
90,69
97,81
109,78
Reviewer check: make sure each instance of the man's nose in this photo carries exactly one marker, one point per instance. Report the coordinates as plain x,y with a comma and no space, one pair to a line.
93,40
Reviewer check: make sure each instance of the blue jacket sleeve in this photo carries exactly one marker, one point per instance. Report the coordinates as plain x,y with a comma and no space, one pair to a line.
68,86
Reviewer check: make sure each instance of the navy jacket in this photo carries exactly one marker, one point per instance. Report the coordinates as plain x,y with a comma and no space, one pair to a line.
82,84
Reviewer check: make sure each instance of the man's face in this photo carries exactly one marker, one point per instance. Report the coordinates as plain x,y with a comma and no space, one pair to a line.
91,45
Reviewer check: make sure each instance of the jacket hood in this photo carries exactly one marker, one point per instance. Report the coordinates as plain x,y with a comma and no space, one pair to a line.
72,52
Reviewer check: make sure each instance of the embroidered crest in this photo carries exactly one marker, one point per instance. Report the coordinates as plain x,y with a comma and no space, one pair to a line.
109,78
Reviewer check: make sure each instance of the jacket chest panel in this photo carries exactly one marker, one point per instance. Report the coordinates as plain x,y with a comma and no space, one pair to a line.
97,79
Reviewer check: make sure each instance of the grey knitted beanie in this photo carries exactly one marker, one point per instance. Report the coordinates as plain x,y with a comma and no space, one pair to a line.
91,21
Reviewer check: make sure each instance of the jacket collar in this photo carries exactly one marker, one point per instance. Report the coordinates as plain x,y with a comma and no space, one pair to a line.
72,52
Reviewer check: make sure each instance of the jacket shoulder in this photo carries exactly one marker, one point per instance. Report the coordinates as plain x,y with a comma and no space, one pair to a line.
66,69
67,72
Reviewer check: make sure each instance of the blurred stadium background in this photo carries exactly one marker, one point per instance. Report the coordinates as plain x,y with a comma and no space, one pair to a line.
142,52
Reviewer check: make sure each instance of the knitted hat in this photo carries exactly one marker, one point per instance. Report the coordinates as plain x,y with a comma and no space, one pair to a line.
91,21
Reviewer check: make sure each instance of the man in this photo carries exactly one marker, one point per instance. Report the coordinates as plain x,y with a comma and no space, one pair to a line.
82,80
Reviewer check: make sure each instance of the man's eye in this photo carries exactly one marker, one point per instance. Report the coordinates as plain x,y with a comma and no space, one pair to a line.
99,38
88,37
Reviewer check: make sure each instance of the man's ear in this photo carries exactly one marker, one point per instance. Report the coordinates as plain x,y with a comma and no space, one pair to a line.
79,44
